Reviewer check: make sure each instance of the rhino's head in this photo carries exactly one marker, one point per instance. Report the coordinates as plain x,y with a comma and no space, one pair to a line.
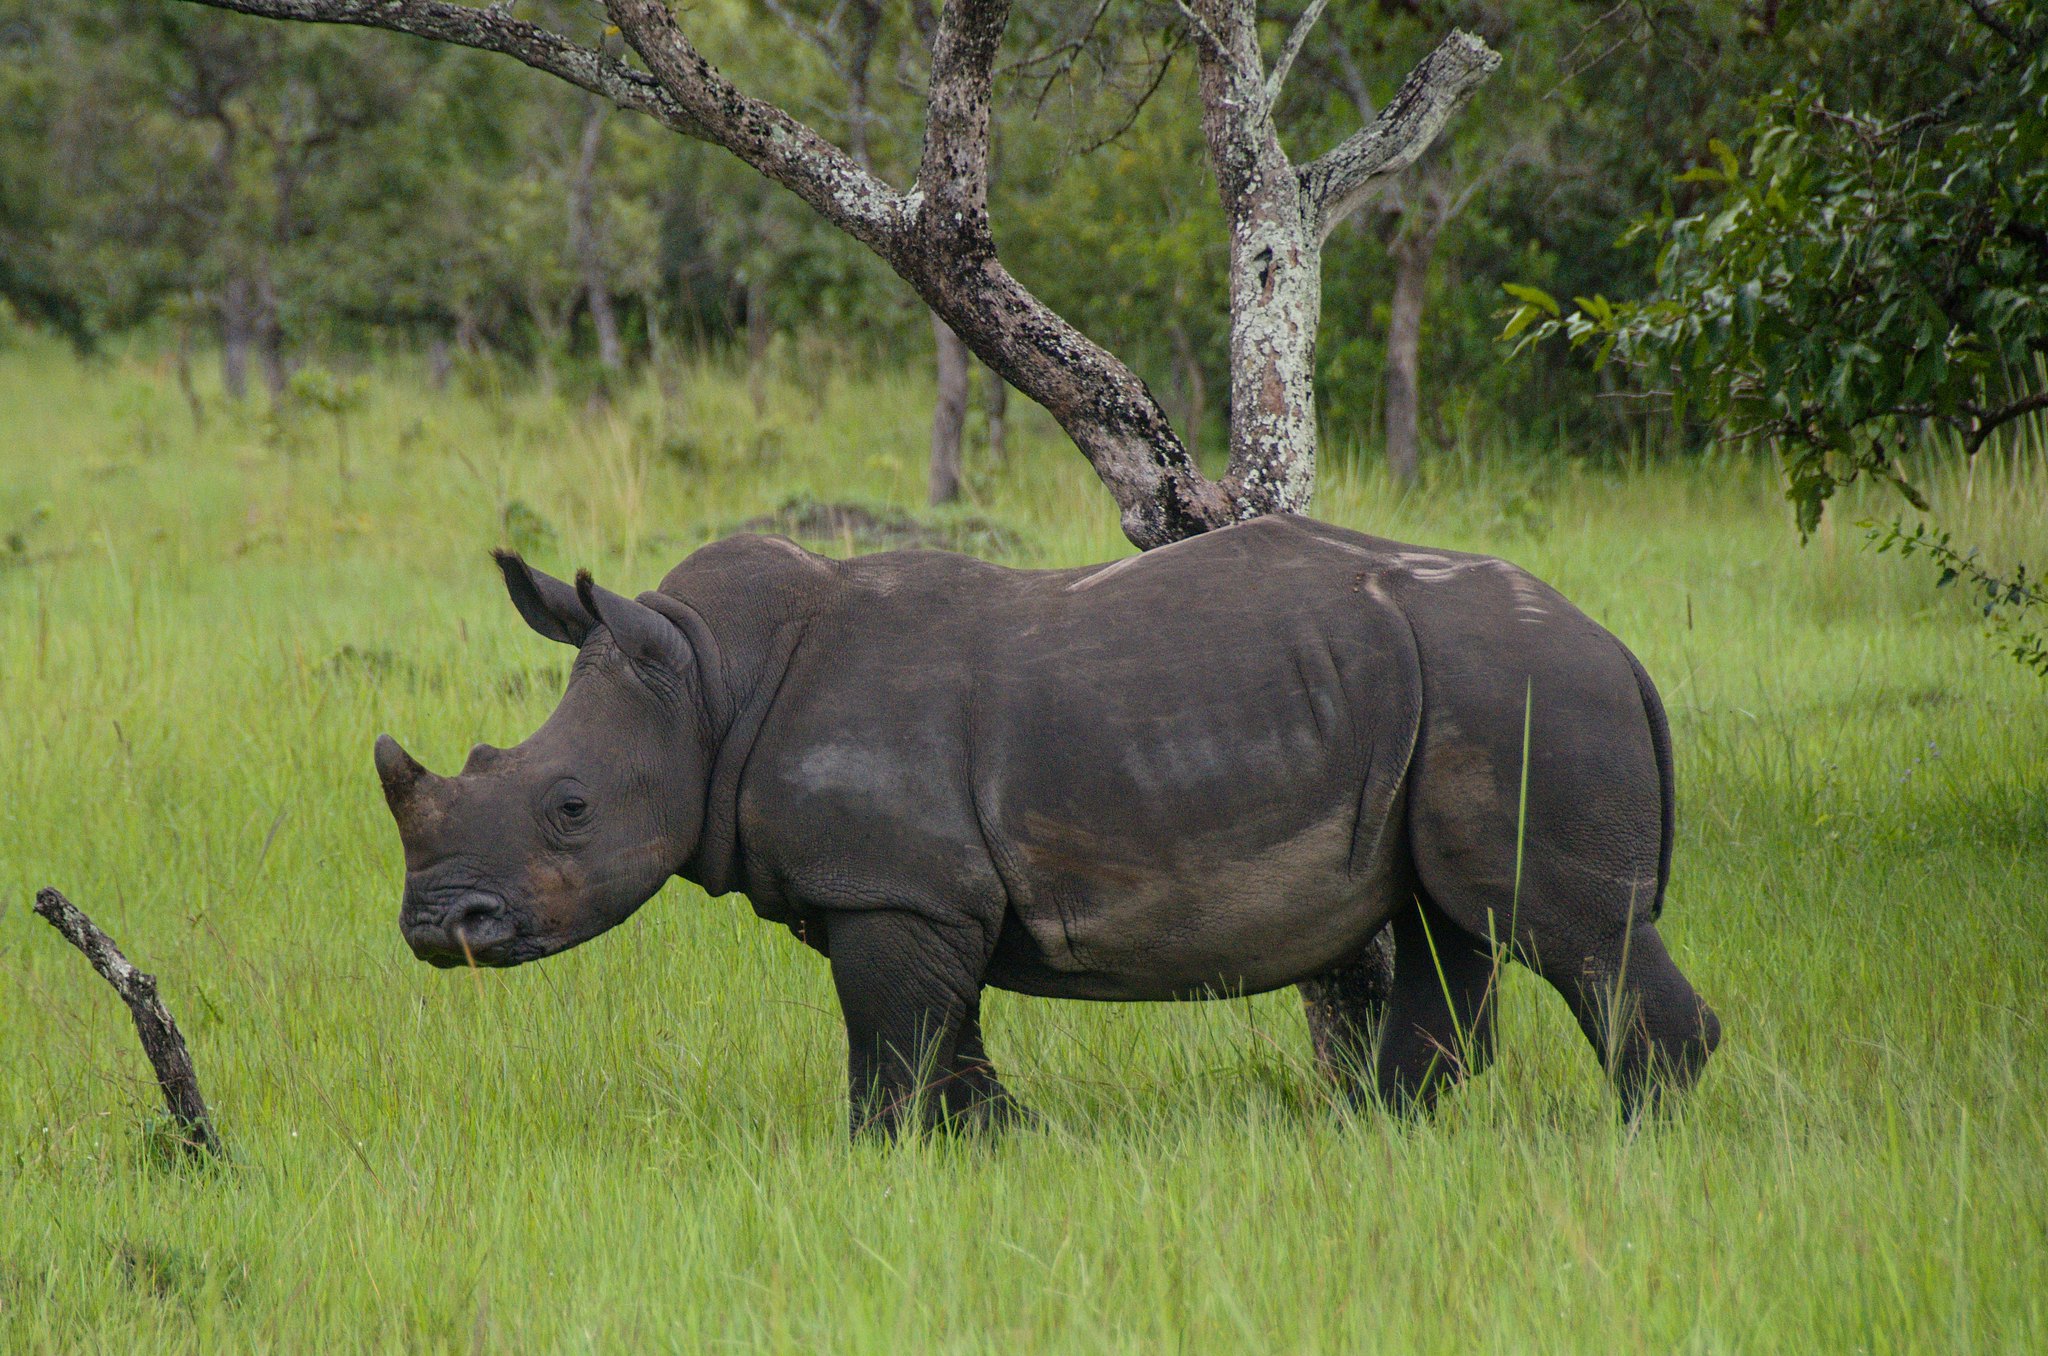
531,850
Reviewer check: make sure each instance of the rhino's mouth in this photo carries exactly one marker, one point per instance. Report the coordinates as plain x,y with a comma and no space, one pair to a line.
473,930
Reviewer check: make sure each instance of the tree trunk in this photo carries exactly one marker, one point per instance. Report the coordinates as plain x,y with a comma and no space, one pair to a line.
657,340
585,243
237,334
277,370
1276,284
1194,388
759,332
949,413
1411,253
995,400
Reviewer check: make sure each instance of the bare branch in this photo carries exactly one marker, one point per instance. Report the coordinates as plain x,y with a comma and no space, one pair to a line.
490,31
1336,182
684,92
1985,423
161,1040
1291,49
831,181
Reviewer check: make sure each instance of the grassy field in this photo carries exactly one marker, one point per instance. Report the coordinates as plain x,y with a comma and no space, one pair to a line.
639,1145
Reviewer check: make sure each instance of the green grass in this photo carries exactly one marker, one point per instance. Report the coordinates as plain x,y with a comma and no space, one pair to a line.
639,1145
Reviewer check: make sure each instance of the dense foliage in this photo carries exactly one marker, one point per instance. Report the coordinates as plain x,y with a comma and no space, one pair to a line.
1854,274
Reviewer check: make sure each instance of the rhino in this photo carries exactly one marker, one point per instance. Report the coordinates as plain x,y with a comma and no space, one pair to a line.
1277,753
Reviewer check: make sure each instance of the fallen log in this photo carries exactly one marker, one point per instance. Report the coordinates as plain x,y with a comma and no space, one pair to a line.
161,1040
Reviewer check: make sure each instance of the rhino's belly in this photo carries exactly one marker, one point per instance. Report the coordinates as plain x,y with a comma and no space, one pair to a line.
1202,925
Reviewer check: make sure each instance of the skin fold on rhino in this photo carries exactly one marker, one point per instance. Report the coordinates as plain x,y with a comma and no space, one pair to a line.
1249,759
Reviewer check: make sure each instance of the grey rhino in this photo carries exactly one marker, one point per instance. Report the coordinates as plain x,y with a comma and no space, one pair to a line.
1220,767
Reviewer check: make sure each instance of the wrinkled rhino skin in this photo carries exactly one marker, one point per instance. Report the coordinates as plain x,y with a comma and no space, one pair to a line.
1223,766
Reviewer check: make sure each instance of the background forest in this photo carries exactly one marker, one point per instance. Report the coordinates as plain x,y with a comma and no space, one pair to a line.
285,195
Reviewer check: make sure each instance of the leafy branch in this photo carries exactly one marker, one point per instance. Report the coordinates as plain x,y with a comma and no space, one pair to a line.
2006,600
1850,280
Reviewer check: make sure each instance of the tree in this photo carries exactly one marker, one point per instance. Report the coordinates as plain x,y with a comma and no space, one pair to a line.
936,236
1854,277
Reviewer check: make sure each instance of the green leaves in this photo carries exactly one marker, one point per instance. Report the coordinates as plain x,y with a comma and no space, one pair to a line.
1850,279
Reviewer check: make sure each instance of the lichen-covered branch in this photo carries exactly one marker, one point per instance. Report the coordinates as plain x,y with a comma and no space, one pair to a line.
487,30
1336,182
161,1040
835,185
952,176
1275,271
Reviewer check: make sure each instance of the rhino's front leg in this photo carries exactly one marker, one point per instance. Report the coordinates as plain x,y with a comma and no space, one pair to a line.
908,988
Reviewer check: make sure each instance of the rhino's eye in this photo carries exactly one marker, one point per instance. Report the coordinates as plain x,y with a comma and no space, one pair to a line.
566,808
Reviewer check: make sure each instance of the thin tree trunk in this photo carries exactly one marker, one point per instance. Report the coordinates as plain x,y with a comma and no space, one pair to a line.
1412,253
995,399
584,241
759,333
657,340
1193,387
277,372
237,303
949,413
184,371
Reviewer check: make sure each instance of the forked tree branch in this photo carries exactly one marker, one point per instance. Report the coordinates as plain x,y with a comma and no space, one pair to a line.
1340,179
936,237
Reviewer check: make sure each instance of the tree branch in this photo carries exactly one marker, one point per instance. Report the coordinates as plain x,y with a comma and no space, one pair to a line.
1291,49
952,176
160,1038
1983,425
485,29
1336,182
779,146
683,92
1983,10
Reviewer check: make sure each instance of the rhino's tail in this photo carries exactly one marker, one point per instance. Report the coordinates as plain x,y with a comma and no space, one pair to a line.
1667,790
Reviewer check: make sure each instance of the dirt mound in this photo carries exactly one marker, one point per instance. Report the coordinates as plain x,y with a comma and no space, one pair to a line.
864,528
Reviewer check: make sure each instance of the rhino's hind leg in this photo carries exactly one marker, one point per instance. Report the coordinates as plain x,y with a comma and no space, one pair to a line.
974,1097
1439,1027
1651,1030
1345,1007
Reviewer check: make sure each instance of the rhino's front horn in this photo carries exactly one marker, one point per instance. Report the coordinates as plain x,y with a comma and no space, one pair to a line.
402,775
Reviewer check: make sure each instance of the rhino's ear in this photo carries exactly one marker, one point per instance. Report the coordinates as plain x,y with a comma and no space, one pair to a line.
643,635
550,606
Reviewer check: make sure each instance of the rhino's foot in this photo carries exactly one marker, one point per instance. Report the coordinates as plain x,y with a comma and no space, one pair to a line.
977,1102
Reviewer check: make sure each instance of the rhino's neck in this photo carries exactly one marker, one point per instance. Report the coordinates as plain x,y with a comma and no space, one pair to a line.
755,597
